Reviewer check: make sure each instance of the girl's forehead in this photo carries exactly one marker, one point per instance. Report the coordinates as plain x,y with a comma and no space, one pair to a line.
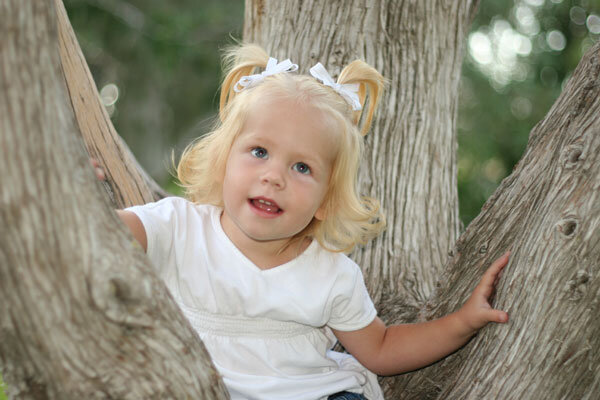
286,111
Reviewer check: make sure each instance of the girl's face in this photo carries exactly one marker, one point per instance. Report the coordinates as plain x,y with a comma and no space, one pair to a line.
277,173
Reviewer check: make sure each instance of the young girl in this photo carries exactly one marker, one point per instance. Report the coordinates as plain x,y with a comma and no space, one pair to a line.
254,255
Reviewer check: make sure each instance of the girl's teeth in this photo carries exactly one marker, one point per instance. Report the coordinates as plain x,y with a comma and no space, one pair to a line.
266,205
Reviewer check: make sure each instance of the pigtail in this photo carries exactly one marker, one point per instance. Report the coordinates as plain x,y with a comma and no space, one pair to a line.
239,61
371,85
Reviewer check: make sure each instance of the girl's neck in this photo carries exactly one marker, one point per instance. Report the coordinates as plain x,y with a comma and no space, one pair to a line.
265,256
269,253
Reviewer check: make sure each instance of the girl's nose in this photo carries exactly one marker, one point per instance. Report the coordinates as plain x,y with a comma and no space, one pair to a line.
273,175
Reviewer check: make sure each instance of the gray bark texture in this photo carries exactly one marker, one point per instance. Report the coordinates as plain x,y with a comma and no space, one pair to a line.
82,314
547,212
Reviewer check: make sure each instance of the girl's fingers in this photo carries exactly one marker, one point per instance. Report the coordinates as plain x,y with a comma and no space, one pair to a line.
494,270
100,174
97,169
491,277
500,263
498,316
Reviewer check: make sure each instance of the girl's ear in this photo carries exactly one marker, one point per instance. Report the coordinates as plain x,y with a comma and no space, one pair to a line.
321,214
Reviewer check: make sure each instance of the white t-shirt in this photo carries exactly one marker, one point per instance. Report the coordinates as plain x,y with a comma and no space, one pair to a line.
267,331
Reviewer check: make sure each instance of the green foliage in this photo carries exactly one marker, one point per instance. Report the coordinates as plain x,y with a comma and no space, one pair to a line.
501,101
2,386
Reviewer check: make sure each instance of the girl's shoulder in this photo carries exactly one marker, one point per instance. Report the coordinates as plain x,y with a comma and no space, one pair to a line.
174,211
179,205
336,263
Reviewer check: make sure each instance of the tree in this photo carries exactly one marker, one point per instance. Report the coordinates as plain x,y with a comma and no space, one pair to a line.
547,211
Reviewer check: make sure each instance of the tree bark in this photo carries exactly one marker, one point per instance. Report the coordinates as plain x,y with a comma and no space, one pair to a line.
546,211
82,314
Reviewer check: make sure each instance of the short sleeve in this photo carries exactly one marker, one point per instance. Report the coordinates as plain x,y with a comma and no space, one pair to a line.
352,307
160,220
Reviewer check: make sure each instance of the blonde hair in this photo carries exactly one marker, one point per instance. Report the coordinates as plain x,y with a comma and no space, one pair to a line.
349,218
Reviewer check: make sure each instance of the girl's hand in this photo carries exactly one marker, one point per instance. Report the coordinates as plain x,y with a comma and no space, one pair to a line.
400,348
98,170
477,311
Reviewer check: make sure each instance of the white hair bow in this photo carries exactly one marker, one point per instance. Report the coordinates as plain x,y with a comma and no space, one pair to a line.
272,68
349,91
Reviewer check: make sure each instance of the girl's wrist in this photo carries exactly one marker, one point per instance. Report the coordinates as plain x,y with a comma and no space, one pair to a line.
463,325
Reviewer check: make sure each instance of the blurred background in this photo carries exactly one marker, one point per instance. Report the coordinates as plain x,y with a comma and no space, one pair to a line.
156,64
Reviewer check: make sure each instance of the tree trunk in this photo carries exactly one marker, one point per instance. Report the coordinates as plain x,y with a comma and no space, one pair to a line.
82,316
546,211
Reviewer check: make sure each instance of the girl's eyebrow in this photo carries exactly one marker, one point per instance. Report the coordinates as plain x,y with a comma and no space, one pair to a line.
257,137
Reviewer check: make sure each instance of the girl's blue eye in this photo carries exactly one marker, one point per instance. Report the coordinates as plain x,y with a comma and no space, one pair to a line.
259,152
302,168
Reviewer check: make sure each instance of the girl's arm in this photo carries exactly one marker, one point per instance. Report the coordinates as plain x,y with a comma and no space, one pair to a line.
135,226
400,348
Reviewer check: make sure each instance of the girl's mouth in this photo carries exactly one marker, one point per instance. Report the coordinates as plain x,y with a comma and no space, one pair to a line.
265,205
